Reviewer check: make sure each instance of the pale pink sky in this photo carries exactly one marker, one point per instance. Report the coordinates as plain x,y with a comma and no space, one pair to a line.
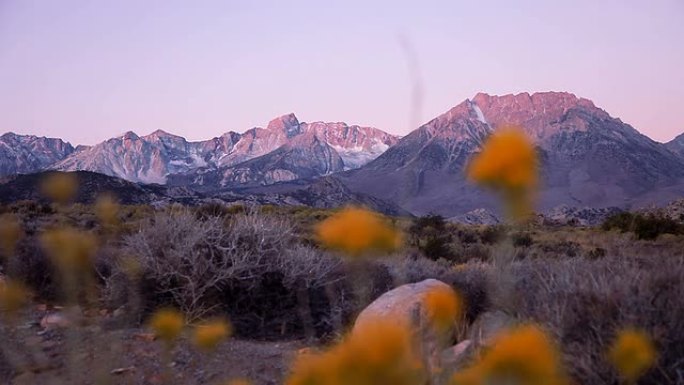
89,70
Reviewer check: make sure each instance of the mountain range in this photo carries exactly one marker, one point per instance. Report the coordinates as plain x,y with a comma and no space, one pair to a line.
285,150
588,159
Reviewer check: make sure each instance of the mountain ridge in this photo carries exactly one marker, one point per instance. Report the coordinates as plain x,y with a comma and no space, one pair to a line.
588,158
21,154
676,145
154,157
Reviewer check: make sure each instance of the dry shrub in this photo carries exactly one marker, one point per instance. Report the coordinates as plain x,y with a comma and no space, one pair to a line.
476,252
432,235
561,249
32,266
585,302
648,226
30,209
250,266
492,234
467,235
437,247
522,239
215,209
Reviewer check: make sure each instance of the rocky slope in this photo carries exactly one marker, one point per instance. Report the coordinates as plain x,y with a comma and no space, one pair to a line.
588,158
287,150
676,145
582,216
673,210
356,145
325,192
91,185
22,154
148,159
305,156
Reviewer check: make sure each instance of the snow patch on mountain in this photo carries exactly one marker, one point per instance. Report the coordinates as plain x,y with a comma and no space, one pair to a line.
478,112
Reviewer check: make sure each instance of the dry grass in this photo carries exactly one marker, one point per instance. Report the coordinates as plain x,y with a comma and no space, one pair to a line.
585,302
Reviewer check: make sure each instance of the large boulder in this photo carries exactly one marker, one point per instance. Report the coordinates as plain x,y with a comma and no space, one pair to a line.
406,306
403,305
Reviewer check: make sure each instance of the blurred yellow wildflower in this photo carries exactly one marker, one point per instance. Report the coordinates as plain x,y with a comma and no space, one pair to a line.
632,353
508,163
444,307
107,210
13,296
239,381
381,353
10,233
207,336
357,231
167,324
470,376
61,187
71,250
523,355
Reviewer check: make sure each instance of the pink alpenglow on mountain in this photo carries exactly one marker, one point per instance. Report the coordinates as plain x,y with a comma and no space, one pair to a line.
588,158
23,154
156,157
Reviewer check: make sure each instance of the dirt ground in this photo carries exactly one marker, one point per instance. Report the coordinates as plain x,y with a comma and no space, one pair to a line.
95,354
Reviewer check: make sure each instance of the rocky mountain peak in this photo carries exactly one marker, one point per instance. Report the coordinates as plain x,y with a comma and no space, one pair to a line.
11,135
287,123
158,134
550,100
165,139
541,114
130,135
460,122
30,153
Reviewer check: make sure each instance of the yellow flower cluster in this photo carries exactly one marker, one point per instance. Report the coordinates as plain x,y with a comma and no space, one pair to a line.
10,233
167,324
508,163
632,353
61,187
444,308
381,353
524,355
71,250
357,231
107,210
13,296
207,336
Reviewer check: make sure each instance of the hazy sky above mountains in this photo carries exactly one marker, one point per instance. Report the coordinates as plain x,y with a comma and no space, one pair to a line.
89,70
